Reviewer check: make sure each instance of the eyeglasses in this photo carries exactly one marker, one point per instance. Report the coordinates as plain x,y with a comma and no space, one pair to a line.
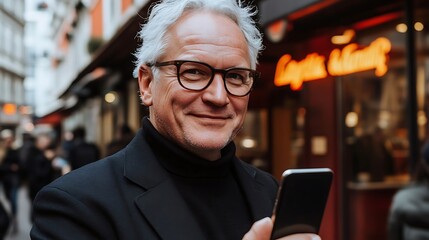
197,76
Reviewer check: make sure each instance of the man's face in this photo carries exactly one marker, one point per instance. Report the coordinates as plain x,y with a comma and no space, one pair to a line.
201,121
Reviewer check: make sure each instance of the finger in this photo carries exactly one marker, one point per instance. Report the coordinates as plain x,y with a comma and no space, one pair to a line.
261,230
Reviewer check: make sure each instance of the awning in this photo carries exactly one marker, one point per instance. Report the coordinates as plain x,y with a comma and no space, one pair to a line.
58,113
117,53
53,118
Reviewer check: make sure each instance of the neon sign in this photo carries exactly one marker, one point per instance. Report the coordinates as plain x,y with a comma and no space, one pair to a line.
348,60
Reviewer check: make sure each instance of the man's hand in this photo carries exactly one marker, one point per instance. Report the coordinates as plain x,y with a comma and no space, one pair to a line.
261,230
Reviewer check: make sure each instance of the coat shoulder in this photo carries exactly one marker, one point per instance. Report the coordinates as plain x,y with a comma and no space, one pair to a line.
99,173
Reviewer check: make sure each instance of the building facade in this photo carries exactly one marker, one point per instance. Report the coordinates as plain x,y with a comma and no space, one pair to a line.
12,66
69,93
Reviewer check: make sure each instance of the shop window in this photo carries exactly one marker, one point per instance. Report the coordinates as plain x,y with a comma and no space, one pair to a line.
374,117
252,140
375,126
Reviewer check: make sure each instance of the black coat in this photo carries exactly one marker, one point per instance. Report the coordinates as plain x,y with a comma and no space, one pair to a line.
129,195
39,171
4,221
409,213
8,175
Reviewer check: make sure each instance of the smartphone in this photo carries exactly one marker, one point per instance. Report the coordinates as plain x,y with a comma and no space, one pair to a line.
301,201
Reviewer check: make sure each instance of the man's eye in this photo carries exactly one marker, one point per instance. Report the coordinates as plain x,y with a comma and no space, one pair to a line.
236,78
194,74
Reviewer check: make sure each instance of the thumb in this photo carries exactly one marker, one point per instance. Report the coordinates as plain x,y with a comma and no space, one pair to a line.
261,230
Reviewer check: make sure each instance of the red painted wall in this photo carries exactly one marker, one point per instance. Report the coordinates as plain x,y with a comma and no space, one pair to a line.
320,102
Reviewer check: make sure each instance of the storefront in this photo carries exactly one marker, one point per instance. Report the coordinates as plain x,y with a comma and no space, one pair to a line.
335,93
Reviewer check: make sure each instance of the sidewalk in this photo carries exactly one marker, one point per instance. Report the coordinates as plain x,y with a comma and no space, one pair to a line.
24,224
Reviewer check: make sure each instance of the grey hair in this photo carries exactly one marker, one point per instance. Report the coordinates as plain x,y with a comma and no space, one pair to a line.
167,12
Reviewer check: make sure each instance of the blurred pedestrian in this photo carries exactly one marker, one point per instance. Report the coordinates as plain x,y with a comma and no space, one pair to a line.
82,152
11,178
66,144
4,221
409,212
4,215
39,166
124,135
25,151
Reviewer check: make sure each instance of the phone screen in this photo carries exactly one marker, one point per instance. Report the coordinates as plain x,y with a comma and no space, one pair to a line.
301,201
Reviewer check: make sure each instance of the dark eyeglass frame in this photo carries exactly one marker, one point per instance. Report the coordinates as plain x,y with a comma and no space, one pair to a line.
178,63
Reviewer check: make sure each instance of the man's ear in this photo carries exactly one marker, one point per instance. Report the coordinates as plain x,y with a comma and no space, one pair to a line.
145,79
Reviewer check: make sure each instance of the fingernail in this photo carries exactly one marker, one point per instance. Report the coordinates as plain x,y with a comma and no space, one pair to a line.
315,237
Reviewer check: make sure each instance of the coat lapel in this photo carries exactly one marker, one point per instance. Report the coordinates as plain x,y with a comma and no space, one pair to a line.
257,197
161,203
168,213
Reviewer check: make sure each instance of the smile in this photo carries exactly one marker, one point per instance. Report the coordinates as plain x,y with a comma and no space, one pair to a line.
211,117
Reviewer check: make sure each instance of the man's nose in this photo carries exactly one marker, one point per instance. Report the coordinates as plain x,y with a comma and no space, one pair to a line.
216,92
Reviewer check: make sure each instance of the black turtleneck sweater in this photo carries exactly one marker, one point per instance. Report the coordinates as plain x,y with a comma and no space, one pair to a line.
209,188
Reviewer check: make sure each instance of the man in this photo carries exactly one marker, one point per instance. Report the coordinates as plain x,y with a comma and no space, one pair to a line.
124,135
4,221
81,152
38,167
409,211
179,177
10,173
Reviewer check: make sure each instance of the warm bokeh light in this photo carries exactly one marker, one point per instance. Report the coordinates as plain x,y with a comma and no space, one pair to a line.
402,27
9,109
418,26
352,119
384,119
248,143
421,118
110,97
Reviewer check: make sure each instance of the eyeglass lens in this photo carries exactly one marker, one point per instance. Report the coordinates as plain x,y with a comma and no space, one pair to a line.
197,76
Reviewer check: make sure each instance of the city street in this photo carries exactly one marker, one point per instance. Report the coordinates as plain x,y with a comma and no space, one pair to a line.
307,84
24,224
